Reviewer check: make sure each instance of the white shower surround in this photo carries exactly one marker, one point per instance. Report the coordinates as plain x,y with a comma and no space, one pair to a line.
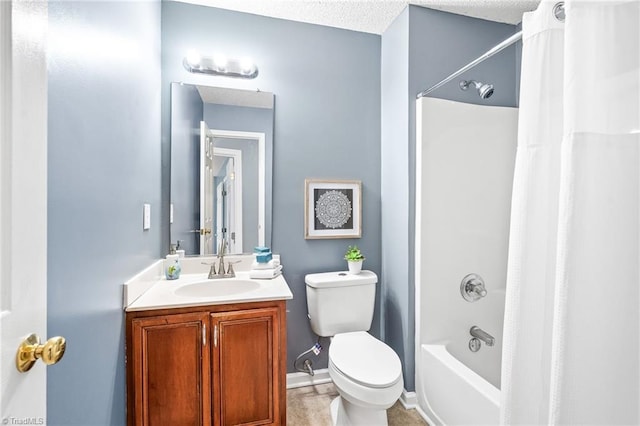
464,171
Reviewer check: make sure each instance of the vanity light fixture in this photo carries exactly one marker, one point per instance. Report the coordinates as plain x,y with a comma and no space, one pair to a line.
220,65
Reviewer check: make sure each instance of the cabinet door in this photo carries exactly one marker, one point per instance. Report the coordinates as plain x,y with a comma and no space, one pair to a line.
246,377
171,365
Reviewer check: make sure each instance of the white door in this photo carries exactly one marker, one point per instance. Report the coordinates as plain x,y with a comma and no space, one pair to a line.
206,190
232,206
23,205
219,213
229,222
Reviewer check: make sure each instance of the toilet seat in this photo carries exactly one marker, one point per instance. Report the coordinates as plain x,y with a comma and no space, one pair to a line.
365,360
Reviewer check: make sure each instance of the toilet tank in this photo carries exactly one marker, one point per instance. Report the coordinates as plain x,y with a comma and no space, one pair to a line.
339,302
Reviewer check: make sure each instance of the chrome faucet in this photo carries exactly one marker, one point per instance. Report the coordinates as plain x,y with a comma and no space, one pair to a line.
221,272
212,270
479,333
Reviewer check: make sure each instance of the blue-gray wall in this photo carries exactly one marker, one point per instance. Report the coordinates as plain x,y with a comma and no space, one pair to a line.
186,114
241,118
398,324
437,44
103,164
327,125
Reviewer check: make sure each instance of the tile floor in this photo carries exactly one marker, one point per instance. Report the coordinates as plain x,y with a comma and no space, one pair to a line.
309,406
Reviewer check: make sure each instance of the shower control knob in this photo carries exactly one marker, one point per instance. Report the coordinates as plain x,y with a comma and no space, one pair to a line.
472,288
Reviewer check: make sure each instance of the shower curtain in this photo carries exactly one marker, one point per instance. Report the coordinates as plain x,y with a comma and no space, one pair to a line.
571,350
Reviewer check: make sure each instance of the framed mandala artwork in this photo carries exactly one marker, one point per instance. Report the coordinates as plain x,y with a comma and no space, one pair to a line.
332,209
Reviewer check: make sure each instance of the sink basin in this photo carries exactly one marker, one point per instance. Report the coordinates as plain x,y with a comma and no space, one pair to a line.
216,288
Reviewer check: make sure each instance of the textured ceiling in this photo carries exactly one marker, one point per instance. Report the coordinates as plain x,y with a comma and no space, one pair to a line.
371,16
507,11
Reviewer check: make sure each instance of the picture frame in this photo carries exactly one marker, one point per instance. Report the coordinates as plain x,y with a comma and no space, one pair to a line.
332,209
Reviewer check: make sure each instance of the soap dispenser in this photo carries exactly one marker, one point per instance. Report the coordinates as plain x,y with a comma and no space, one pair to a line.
172,266
179,251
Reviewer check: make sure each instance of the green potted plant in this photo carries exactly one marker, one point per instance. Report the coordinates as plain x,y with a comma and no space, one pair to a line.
354,258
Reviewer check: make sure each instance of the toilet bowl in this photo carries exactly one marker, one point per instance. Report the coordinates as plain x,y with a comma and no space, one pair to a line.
368,376
366,372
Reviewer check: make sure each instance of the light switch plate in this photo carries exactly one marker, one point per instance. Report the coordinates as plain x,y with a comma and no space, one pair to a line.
146,217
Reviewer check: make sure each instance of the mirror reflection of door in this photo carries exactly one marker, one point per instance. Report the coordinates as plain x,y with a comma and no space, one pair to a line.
230,199
228,208
220,194
245,190
207,168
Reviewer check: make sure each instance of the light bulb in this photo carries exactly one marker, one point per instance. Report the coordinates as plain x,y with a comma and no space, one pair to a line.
246,64
193,58
220,62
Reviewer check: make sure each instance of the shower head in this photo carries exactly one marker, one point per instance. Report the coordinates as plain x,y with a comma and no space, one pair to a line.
484,90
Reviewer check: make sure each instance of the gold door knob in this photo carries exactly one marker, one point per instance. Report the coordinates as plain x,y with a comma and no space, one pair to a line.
203,231
30,350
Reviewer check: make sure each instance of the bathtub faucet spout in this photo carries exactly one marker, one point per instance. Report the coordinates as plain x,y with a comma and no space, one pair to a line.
482,335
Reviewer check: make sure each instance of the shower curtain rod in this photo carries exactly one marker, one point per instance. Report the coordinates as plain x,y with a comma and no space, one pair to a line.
498,48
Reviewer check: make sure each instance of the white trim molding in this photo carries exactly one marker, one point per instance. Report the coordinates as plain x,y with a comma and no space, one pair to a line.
298,380
426,418
409,400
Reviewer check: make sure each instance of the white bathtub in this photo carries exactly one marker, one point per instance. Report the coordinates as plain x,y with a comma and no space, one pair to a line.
453,394
465,158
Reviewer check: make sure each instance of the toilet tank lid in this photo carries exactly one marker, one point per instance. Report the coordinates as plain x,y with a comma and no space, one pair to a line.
340,279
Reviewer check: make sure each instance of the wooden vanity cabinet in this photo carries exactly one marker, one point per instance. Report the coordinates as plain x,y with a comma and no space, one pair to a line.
169,362
214,365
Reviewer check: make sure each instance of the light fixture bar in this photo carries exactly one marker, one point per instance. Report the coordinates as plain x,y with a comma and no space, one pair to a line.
220,66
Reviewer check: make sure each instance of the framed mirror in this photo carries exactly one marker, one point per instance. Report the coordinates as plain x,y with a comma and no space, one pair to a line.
221,168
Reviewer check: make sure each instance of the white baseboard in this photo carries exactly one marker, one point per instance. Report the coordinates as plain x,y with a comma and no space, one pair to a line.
426,418
409,400
298,380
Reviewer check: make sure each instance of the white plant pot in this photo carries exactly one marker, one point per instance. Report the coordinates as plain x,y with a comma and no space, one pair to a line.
354,267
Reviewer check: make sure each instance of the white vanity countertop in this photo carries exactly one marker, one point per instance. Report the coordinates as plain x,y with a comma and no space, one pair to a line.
159,293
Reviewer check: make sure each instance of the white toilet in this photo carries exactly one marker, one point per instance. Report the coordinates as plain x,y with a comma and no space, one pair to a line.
366,372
